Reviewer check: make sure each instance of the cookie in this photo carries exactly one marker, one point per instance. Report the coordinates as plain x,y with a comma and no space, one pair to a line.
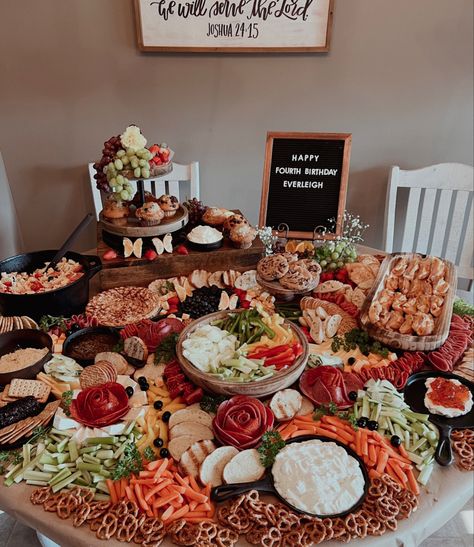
273,267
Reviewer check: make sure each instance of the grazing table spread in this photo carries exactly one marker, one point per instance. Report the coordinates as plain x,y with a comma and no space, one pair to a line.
315,393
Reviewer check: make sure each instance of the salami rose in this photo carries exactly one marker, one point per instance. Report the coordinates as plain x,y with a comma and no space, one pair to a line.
241,421
324,385
100,406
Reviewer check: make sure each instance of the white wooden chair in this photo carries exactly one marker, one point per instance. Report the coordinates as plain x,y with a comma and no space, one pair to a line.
438,218
11,241
182,182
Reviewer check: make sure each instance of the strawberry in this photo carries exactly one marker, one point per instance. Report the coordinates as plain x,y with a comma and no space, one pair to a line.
327,276
109,255
181,250
150,255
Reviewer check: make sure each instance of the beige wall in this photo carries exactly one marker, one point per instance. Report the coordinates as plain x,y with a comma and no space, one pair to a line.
398,76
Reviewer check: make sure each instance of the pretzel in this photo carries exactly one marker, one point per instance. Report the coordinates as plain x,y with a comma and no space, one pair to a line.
181,533
66,506
271,538
391,524
107,527
226,537
81,515
377,489
391,483
295,537
51,503
94,524
207,531
40,495
329,531
98,508
123,508
151,525
255,535
387,508
127,528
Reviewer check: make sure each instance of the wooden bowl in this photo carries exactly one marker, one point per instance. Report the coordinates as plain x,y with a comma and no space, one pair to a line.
259,388
20,339
283,294
409,342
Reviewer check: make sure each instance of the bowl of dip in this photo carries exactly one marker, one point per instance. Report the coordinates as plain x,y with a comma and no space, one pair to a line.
23,353
83,345
205,238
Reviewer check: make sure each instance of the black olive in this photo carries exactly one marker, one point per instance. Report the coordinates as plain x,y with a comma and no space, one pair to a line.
158,442
164,453
395,440
351,360
129,390
166,416
145,387
158,405
372,425
353,395
142,380
362,422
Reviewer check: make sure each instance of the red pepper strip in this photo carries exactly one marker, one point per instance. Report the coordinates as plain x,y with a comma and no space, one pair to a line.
269,352
286,357
297,349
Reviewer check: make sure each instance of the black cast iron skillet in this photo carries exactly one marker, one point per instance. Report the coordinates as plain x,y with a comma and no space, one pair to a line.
227,491
414,395
65,301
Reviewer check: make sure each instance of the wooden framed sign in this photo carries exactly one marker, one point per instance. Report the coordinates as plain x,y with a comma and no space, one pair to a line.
234,25
305,181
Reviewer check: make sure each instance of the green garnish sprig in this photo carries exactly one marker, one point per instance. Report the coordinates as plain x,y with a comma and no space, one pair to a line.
272,443
357,338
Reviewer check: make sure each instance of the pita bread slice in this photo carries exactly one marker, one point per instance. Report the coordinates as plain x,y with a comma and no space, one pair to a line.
224,302
216,279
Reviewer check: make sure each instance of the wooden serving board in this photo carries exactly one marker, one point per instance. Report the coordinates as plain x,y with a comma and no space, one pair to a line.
283,294
408,342
140,272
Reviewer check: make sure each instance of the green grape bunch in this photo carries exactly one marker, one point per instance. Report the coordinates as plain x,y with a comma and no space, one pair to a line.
137,161
333,255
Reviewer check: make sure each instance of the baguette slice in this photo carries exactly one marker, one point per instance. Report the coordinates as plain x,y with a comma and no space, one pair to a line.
177,447
244,467
307,407
136,348
190,415
191,460
212,467
192,428
286,403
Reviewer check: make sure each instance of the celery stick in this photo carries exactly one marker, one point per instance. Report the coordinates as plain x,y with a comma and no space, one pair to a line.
109,463
94,467
418,444
103,487
414,458
424,476
60,485
47,459
86,476
73,452
101,440
120,450
37,475
407,440
60,476
90,459
89,449
62,445
48,467
81,482
365,407
128,429
101,497
104,454
36,483
63,458
26,452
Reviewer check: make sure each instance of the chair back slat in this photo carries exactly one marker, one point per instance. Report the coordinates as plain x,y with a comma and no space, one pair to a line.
408,240
425,220
454,230
182,182
466,247
441,222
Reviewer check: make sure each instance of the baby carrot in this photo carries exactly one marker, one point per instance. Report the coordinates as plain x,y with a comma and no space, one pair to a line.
112,492
193,484
412,482
157,488
192,494
165,500
382,463
179,513
167,514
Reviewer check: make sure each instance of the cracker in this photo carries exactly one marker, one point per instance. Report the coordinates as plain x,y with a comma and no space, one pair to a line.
23,388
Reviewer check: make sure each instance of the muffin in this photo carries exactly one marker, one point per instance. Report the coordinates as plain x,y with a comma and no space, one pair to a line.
150,214
169,205
215,216
234,221
242,236
148,198
115,212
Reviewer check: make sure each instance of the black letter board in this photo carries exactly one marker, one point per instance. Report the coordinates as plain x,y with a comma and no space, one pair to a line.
305,181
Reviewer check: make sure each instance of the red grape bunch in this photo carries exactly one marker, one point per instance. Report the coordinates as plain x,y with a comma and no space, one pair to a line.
111,147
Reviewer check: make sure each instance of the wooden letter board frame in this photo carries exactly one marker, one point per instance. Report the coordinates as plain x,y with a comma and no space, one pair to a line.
344,174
